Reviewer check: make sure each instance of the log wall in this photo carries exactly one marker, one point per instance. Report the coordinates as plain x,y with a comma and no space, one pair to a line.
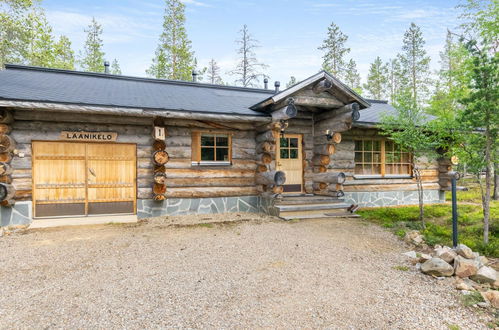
183,179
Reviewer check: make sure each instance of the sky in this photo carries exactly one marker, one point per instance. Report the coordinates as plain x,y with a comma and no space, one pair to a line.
288,31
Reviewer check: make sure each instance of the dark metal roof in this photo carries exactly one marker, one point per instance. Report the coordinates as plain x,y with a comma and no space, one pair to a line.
373,114
23,83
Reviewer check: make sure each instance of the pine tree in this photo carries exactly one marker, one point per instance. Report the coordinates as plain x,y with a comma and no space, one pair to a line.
248,69
377,79
352,76
174,58
394,78
213,73
13,27
335,51
92,58
115,67
40,47
64,57
416,65
292,81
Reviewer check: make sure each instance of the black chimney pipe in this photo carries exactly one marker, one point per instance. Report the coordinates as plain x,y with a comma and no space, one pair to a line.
106,67
194,76
266,83
277,84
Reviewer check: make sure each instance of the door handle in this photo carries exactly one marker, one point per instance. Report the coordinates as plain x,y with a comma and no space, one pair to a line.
91,171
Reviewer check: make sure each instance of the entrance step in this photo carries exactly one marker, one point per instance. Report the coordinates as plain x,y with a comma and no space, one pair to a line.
79,221
311,207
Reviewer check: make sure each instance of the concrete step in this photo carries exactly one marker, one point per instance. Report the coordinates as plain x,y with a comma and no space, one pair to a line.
310,207
329,211
79,221
321,216
307,200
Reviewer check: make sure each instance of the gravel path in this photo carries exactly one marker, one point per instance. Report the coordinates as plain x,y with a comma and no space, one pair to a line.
261,273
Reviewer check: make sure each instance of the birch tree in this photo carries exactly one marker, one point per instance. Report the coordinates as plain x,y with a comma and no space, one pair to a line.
248,69
334,51
377,79
92,56
64,57
174,58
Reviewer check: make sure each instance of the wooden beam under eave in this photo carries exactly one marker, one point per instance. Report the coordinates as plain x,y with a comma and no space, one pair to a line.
318,102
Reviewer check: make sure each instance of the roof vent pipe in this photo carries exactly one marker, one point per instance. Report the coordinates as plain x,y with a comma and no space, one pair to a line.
277,84
266,83
106,67
194,76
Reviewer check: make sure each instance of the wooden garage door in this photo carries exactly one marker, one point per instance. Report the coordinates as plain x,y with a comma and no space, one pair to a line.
74,179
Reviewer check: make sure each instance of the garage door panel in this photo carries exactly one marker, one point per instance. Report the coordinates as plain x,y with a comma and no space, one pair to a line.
66,174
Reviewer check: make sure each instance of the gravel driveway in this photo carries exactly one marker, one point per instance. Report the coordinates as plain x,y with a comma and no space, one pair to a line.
261,273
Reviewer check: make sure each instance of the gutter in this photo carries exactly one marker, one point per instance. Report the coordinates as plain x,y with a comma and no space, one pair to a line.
137,112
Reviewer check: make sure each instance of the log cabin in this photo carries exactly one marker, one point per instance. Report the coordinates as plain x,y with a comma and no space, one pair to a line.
79,144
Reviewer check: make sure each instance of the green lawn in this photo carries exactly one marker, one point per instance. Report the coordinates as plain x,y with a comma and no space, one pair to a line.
439,221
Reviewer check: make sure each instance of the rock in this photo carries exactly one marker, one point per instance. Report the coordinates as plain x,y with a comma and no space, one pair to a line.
462,285
464,267
446,253
491,296
495,285
485,275
418,266
414,237
411,254
466,292
482,260
465,251
483,304
424,257
437,267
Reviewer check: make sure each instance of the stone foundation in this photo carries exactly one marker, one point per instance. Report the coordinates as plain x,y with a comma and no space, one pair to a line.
181,206
392,198
19,214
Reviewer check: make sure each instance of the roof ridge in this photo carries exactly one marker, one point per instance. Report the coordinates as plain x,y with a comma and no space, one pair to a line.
135,78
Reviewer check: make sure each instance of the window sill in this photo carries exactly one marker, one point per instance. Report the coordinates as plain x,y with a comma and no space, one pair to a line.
389,176
208,163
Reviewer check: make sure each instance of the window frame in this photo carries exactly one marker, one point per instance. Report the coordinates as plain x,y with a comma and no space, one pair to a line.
382,163
196,148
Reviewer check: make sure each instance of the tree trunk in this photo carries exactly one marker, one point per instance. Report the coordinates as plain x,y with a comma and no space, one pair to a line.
496,181
488,181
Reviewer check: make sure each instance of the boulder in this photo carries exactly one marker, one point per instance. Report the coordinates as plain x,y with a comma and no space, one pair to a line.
465,251
445,253
411,254
437,267
414,237
464,267
424,257
492,296
495,285
462,285
485,275
482,261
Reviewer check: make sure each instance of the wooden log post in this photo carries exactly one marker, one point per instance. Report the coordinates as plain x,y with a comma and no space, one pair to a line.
160,178
159,189
322,86
5,129
330,177
265,147
261,168
321,160
5,169
6,116
324,149
287,112
7,192
7,143
267,136
159,145
317,186
271,178
160,157
320,169
264,158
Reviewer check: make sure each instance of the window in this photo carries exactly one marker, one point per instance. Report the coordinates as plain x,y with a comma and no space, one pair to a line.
289,148
381,157
211,148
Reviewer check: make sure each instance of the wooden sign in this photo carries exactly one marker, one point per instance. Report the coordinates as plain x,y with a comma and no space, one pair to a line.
89,136
159,133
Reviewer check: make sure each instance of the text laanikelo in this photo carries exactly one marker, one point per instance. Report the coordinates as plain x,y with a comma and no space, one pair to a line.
89,136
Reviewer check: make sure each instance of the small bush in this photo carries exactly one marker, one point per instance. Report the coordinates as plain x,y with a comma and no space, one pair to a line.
471,299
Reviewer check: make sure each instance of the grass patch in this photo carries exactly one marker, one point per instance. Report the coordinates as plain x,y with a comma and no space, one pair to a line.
439,222
402,268
471,299
453,327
